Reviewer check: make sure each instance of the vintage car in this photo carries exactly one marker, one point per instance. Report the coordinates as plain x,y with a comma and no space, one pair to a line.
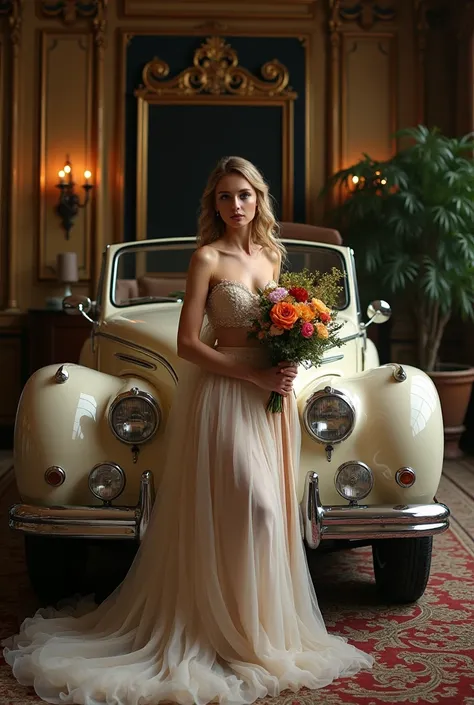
90,437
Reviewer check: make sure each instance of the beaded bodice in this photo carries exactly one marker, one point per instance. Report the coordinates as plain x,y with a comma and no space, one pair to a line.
231,304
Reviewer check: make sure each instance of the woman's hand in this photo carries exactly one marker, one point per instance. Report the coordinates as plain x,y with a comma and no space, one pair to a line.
277,379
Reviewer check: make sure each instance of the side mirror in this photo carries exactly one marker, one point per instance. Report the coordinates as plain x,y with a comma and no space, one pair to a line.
378,312
76,305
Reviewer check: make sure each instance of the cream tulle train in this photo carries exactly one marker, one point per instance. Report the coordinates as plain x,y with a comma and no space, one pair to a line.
218,604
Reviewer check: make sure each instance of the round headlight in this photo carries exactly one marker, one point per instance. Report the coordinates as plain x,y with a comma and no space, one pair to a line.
134,417
106,481
354,480
329,416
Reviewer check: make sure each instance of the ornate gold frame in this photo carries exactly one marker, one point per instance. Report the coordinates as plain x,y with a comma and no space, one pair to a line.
215,78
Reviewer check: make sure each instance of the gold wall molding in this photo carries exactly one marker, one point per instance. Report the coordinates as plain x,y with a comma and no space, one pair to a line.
13,10
216,71
334,25
215,78
95,38
351,122
247,9
365,12
66,128
69,11
421,30
375,127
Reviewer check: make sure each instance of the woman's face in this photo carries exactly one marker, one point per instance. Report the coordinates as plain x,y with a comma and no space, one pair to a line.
236,201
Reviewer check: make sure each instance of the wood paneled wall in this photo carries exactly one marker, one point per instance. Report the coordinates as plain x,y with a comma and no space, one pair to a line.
61,67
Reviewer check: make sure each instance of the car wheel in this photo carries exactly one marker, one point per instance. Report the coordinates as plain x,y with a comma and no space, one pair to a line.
55,566
402,568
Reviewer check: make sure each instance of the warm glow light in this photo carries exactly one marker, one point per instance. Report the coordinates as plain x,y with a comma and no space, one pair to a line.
383,181
61,174
377,173
67,169
355,179
87,174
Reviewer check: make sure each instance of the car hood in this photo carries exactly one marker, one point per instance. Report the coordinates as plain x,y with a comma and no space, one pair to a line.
153,327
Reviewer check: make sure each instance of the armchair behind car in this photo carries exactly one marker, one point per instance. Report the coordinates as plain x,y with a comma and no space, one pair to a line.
314,233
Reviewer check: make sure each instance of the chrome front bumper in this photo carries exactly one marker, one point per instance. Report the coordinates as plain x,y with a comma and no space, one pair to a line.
88,522
367,522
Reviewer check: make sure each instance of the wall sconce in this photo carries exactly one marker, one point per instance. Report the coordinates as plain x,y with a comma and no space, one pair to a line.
69,204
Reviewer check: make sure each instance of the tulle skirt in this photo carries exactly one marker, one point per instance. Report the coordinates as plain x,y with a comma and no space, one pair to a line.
218,605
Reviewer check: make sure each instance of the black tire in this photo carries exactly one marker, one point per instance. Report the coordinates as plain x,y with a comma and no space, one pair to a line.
402,568
55,566
60,568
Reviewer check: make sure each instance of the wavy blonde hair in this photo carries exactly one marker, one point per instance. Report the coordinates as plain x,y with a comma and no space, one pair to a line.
264,226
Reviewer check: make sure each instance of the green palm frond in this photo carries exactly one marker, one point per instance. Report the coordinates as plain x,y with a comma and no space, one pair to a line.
410,220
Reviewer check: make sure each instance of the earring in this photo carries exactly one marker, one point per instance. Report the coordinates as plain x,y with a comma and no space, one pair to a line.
218,215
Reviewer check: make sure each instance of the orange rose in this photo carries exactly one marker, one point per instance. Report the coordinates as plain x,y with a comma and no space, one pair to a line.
321,330
305,312
319,306
284,315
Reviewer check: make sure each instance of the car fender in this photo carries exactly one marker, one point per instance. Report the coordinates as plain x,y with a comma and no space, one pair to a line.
398,424
65,424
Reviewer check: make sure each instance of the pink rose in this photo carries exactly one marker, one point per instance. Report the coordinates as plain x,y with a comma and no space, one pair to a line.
307,330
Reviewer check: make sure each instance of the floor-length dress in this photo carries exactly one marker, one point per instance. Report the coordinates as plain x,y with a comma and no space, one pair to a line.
218,605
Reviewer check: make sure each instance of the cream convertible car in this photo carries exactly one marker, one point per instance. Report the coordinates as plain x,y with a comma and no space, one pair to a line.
89,438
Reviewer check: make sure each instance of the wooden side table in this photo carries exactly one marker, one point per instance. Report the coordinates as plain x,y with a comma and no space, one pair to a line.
54,337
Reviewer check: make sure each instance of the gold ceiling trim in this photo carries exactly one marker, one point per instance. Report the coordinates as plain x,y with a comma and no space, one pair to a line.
216,71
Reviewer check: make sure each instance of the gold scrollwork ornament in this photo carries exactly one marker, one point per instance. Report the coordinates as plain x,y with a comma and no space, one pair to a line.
216,71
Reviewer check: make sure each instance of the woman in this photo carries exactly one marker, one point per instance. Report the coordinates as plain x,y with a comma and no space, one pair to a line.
218,605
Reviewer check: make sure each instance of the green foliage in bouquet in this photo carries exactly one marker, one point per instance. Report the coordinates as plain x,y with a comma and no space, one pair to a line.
411,222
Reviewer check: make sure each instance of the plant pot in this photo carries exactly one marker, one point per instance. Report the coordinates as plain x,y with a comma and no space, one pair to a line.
454,385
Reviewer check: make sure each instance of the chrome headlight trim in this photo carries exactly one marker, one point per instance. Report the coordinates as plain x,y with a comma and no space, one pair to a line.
135,393
329,392
115,467
361,465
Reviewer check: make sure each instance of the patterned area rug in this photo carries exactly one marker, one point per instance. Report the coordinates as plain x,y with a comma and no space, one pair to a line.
424,653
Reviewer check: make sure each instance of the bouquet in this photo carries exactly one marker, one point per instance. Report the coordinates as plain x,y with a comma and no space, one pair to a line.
296,321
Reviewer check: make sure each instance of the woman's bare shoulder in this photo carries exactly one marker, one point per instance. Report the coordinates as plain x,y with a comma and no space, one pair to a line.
205,257
274,256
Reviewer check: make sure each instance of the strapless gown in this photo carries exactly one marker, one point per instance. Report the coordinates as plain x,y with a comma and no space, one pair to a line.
218,605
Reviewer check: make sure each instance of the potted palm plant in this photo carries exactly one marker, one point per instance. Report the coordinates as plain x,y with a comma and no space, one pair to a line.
411,221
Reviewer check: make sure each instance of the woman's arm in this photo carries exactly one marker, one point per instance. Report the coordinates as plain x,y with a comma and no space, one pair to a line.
190,347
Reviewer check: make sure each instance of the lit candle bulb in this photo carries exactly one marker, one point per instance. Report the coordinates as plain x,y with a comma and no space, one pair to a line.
61,175
67,169
87,175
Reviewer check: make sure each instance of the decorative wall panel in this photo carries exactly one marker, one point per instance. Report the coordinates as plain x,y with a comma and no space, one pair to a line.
66,129
369,90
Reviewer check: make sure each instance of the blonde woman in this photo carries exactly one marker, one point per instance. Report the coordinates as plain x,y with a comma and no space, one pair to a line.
218,605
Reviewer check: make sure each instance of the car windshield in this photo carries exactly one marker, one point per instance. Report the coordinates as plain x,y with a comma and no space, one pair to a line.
156,273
